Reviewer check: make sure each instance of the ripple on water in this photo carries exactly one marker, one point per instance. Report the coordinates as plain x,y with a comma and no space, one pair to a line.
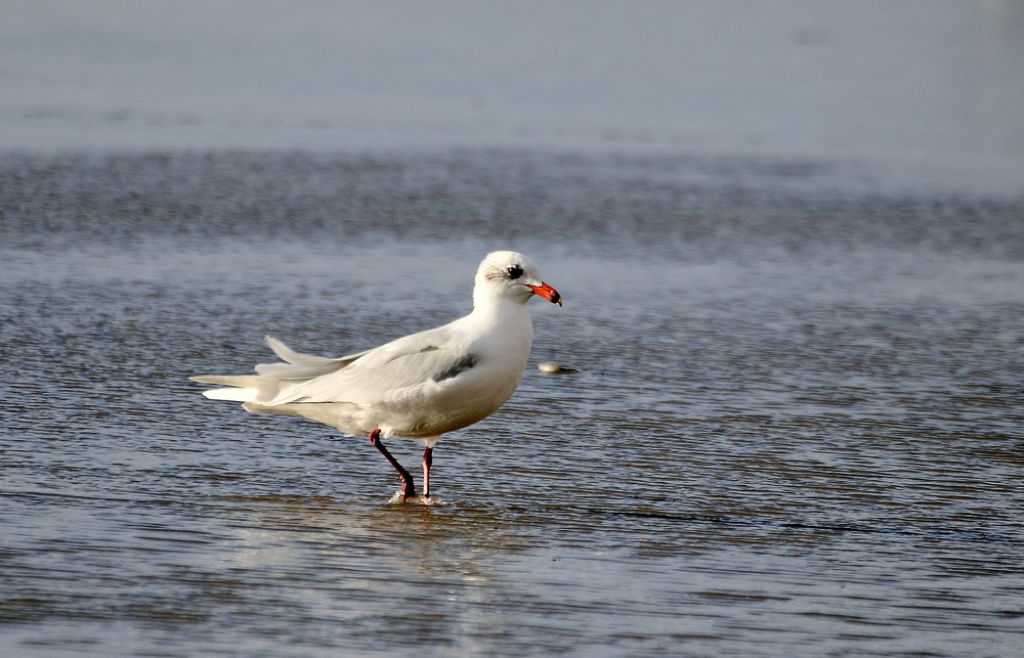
809,446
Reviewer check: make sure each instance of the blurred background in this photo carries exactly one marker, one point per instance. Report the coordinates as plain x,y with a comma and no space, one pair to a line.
790,240
935,85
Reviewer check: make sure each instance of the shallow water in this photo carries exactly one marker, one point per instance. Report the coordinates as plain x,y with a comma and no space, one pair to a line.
795,428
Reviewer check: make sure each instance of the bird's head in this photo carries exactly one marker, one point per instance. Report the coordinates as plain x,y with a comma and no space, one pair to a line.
511,275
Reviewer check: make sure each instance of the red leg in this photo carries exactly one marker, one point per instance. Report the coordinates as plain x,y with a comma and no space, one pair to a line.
428,458
408,488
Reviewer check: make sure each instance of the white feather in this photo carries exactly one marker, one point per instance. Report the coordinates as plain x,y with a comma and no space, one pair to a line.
421,385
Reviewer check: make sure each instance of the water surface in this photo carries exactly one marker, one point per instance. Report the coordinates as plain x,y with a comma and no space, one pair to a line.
795,429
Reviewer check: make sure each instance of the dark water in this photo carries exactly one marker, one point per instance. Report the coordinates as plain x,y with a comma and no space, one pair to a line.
795,429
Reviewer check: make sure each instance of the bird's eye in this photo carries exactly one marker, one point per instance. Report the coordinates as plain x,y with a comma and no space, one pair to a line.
515,271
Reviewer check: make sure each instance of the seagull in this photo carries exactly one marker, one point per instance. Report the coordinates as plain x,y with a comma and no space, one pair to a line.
419,386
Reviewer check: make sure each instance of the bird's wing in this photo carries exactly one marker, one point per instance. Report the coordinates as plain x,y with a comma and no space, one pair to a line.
390,372
273,378
296,366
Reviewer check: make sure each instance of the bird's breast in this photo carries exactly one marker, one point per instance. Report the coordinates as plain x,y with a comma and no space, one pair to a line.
469,391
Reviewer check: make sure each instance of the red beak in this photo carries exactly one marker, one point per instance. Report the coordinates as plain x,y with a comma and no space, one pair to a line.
547,292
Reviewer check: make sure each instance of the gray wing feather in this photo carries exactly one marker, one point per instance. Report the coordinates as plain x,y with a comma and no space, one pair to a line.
398,369
297,366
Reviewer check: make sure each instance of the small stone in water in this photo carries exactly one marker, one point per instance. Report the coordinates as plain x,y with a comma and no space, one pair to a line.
550,368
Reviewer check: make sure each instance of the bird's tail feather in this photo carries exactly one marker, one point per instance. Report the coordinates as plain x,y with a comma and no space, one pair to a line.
246,387
231,394
267,383
298,366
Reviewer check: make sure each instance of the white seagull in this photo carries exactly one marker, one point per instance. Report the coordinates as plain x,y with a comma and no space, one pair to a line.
419,386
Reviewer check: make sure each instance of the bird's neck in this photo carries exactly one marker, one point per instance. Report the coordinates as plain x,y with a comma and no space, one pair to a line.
505,328
499,311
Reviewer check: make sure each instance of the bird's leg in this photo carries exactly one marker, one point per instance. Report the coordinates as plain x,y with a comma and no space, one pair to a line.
428,458
408,488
